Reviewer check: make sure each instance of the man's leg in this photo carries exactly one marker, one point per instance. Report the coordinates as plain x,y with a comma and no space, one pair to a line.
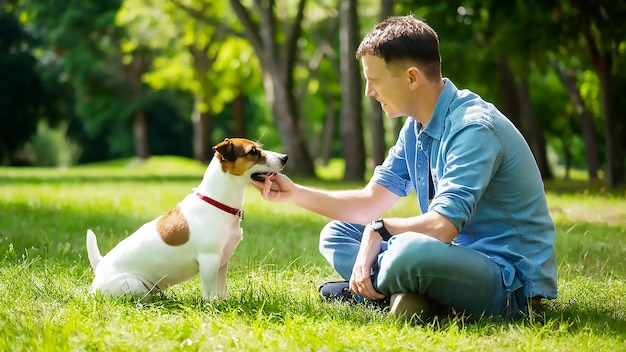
453,276
339,244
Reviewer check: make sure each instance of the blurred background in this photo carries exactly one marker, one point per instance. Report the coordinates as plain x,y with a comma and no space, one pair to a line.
83,81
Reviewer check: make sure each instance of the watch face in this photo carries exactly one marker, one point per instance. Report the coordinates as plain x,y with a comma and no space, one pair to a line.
377,225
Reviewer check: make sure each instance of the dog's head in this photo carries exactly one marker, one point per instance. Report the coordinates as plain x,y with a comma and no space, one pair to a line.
240,156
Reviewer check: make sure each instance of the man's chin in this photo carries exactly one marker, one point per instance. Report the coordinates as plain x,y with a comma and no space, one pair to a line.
391,115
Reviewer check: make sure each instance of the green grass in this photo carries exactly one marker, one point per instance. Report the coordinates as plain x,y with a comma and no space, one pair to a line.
272,303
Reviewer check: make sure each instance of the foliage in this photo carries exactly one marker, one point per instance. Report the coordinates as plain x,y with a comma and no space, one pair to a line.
174,31
274,273
86,36
50,147
77,54
24,96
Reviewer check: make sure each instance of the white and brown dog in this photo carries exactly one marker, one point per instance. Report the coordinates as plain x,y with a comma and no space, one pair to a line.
198,236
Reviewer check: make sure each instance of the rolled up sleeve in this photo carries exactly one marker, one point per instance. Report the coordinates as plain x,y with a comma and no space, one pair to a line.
470,155
394,173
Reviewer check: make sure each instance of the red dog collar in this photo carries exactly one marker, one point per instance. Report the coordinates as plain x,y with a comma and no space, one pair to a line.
222,206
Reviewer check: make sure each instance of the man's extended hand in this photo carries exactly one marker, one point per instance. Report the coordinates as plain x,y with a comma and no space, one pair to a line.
276,188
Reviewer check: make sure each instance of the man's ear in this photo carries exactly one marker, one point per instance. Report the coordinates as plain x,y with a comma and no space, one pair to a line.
414,75
224,150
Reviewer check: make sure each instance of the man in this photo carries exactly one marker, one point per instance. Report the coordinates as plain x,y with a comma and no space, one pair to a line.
484,243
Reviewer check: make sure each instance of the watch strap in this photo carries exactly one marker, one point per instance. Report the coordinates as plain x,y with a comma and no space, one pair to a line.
384,233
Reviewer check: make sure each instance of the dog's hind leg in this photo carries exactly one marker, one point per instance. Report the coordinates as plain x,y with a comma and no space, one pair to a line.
208,265
130,286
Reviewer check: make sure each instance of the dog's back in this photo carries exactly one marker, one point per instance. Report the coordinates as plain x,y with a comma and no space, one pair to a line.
177,253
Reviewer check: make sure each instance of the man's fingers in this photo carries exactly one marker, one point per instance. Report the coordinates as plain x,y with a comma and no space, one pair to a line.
267,187
362,285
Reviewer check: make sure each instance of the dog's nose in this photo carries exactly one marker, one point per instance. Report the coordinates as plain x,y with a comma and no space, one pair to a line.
283,158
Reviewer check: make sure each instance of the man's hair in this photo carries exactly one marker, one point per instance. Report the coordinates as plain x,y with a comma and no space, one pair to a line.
400,38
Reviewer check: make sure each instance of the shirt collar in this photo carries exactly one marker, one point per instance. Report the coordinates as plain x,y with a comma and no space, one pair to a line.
434,128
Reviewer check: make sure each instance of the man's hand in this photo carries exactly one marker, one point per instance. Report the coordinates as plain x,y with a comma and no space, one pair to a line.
276,188
361,280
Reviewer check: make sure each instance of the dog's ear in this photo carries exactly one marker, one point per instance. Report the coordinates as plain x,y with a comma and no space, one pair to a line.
224,150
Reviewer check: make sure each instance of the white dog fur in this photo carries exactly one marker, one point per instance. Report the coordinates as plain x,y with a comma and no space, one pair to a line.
195,237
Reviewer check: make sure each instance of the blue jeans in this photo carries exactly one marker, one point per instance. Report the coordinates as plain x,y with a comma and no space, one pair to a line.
450,275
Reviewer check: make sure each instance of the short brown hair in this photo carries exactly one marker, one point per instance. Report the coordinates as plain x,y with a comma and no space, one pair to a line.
404,38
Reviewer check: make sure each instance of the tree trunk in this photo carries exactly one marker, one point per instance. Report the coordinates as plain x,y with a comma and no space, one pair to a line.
140,127
567,151
531,126
509,104
516,105
323,147
352,144
277,64
329,129
602,63
200,122
140,134
586,120
377,125
288,123
239,115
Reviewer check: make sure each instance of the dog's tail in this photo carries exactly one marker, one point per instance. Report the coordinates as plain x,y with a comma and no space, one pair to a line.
92,249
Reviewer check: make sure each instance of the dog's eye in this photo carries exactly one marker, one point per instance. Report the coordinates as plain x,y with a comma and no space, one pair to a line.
254,151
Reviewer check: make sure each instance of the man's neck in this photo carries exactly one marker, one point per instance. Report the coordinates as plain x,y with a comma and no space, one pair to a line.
429,95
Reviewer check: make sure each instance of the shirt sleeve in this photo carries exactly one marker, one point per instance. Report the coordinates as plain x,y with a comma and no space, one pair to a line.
393,173
470,156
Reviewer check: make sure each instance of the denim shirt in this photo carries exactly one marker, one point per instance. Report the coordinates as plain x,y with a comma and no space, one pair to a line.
485,181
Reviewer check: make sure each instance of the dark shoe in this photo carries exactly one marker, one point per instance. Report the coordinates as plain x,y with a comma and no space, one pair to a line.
339,291
412,307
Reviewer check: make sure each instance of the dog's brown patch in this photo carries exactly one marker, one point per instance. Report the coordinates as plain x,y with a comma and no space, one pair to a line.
173,228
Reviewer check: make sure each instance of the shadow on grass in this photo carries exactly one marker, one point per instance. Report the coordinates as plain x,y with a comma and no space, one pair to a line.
584,187
76,179
582,317
57,233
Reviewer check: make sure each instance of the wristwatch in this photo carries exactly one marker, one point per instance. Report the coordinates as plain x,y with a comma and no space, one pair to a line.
379,226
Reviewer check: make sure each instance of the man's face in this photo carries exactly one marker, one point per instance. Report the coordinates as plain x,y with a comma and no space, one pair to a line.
388,85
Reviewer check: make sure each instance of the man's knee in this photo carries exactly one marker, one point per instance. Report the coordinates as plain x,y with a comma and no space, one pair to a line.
339,232
328,233
414,252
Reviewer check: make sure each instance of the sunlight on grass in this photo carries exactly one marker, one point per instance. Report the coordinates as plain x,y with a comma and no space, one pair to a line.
273,276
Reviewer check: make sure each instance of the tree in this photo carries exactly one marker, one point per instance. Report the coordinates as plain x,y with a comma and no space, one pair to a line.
520,27
568,77
196,56
276,51
23,95
377,126
496,45
135,54
84,38
597,23
353,146
323,68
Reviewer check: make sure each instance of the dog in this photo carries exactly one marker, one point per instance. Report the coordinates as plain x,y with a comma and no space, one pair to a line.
198,236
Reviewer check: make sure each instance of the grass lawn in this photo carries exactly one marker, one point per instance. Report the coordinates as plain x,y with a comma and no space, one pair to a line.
273,277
